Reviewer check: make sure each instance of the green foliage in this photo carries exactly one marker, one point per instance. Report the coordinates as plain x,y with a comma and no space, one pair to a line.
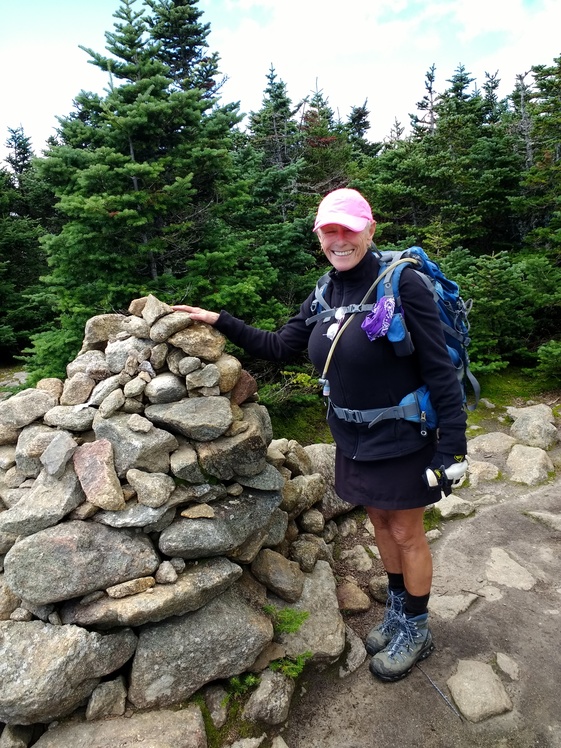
285,620
291,667
549,360
432,519
510,295
239,685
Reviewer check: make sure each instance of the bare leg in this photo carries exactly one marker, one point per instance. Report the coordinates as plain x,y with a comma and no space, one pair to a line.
403,547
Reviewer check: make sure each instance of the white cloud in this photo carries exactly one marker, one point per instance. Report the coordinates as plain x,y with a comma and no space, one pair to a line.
352,51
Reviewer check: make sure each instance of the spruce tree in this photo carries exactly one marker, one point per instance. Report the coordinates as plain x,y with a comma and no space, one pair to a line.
141,176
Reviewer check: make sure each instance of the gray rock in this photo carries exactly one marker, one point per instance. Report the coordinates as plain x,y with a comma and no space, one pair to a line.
277,529
8,600
16,736
84,361
491,445
322,457
77,389
32,442
354,654
112,403
117,352
229,369
201,418
134,515
168,325
200,340
24,408
529,465
279,575
301,493
449,607
135,387
165,388
103,389
453,506
180,655
8,434
185,465
312,520
8,455
478,691
133,449
481,471
154,309
70,417
195,587
47,503
50,670
535,431
166,574
216,700
540,411
208,376
152,489
269,479
323,632
107,700
548,518
241,455
234,521
95,469
269,704
298,460
503,569
103,327
7,540
76,558
163,729
187,364
57,454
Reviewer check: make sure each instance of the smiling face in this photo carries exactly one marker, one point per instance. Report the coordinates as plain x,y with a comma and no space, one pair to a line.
345,248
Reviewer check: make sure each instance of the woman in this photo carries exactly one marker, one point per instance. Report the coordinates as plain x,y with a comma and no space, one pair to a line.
380,466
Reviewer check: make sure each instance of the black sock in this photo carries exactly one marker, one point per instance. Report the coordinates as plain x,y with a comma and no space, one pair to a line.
415,605
395,582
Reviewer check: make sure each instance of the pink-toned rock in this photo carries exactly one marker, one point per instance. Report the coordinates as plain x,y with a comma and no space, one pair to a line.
245,387
95,469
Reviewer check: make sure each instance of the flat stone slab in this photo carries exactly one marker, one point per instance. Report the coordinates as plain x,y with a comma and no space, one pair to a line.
478,691
503,569
448,607
161,729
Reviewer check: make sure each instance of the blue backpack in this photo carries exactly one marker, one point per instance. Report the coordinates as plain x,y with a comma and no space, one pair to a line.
453,311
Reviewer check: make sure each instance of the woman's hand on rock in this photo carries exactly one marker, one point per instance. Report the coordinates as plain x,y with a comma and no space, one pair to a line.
198,314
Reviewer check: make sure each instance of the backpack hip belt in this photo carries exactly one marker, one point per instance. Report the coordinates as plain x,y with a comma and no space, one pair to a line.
415,407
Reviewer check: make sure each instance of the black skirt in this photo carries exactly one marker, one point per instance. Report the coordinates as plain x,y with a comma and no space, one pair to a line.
396,483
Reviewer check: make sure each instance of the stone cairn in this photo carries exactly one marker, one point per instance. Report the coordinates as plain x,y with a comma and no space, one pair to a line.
147,520
147,516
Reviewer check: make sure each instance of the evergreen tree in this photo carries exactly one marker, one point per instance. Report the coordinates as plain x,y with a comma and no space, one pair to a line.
540,202
273,129
21,265
183,47
140,175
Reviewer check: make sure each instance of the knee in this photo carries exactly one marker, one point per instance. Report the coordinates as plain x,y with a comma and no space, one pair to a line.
408,537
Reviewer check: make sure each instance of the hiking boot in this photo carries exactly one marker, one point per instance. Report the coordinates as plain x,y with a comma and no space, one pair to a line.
412,642
381,635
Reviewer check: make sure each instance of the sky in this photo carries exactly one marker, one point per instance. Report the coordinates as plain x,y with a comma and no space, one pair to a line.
350,50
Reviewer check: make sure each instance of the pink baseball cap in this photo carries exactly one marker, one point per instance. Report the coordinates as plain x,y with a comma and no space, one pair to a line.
345,207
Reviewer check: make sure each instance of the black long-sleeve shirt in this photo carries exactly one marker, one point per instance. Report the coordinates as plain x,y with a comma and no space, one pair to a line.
366,374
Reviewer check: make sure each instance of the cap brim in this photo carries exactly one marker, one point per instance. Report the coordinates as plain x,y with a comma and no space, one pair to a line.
353,223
